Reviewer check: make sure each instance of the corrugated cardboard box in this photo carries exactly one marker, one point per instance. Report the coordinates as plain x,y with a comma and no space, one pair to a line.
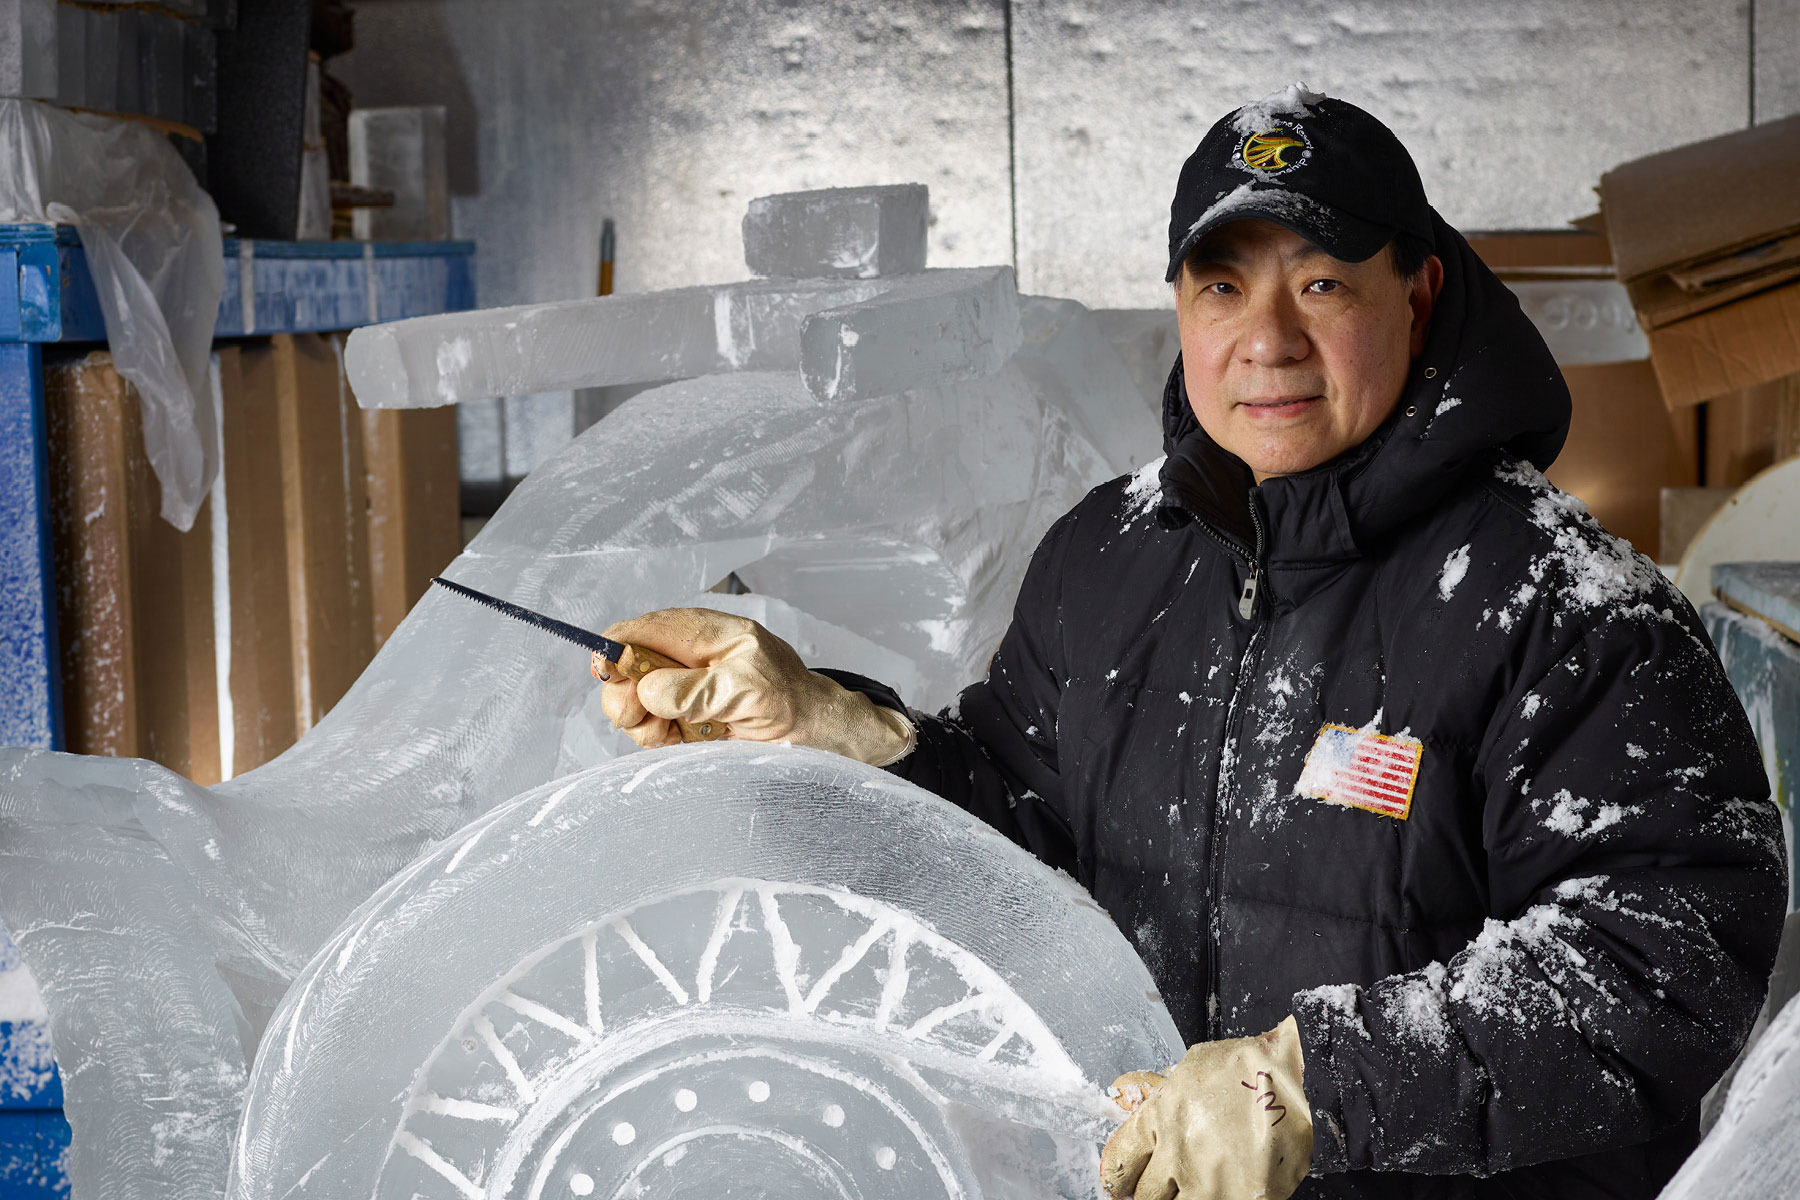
261,668
325,504
135,595
1706,238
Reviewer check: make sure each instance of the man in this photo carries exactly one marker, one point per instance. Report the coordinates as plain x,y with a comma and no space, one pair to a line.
1366,736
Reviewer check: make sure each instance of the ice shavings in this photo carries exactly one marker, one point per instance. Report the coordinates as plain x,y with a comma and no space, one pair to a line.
1586,569
1445,405
1577,817
1293,102
1263,198
1143,491
1341,999
1456,566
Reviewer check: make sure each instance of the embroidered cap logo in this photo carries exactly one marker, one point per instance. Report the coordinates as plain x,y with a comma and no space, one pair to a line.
1274,151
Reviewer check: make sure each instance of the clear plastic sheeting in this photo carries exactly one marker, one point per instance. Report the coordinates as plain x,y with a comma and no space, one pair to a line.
153,246
838,985
166,921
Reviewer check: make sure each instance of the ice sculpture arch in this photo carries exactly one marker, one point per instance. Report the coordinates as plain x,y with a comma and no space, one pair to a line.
777,964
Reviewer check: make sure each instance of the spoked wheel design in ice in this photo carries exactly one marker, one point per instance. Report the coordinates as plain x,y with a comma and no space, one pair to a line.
627,1021
720,970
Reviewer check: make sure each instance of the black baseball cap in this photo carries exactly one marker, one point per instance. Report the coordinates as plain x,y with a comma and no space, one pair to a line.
1314,164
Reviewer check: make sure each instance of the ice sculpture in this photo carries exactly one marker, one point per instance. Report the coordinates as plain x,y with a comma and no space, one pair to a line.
711,965
894,527
1754,1150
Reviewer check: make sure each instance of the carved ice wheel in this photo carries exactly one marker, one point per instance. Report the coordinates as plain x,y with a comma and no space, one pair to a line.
842,987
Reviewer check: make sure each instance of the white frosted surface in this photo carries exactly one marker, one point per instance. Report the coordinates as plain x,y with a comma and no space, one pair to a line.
931,328
840,986
838,232
1754,1150
1512,111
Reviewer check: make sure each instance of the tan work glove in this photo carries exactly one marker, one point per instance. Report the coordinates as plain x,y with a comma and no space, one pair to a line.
745,676
1228,1122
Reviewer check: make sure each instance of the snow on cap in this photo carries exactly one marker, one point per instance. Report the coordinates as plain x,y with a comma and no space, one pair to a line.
1308,162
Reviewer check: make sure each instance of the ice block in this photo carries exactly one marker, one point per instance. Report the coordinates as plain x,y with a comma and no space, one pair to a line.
653,337
929,329
857,233
401,149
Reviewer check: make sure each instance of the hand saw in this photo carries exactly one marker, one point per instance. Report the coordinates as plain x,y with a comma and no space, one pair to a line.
633,661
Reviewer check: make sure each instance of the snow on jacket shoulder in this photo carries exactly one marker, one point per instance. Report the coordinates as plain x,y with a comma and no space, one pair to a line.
1409,746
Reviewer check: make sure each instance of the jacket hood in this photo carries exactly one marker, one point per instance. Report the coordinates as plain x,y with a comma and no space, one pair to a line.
1486,383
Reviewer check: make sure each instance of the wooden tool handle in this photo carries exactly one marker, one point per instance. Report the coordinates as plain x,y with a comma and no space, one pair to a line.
638,661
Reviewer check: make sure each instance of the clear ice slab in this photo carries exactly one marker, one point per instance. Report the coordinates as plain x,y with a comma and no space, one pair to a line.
934,328
855,233
705,971
652,337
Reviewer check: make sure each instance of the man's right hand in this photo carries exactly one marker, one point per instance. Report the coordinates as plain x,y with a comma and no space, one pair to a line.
743,675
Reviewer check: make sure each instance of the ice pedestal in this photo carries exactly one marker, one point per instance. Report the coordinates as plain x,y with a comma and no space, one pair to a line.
705,969
851,232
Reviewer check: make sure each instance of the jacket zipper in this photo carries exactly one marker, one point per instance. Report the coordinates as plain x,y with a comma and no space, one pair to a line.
1248,601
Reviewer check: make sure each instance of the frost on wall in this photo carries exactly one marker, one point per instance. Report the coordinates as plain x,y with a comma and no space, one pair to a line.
702,967
887,530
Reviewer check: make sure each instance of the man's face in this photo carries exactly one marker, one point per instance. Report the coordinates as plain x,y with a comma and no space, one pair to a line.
1293,356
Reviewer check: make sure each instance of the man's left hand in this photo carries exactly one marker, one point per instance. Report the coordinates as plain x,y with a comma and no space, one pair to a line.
1228,1122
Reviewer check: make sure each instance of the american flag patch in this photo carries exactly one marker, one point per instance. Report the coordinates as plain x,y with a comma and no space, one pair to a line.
1371,771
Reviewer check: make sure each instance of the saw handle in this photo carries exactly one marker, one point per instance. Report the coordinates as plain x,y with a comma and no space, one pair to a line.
637,661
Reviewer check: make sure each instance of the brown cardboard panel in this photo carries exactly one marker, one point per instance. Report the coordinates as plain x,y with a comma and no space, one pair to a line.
1659,300
1624,448
324,502
84,408
262,662
135,593
414,506
1684,511
1704,198
171,602
1747,342
1507,253
1752,430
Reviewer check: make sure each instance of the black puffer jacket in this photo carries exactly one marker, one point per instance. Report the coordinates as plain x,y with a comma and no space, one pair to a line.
1521,987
